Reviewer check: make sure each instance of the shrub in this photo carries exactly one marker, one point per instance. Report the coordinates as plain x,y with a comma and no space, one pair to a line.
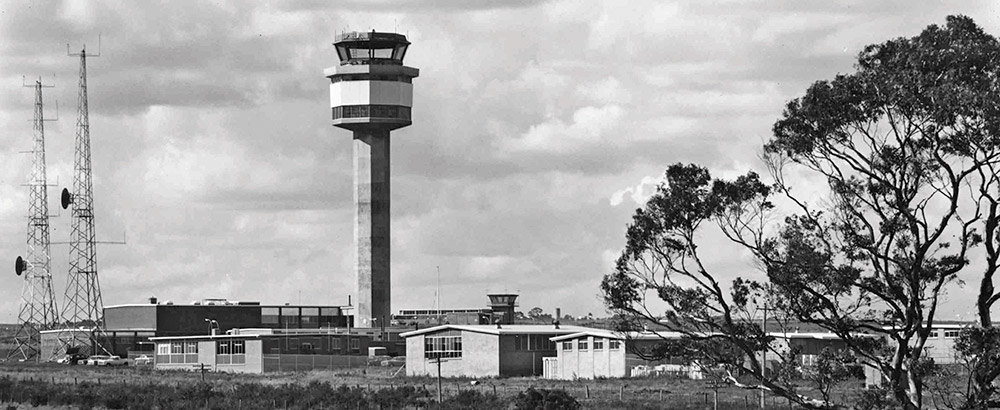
543,399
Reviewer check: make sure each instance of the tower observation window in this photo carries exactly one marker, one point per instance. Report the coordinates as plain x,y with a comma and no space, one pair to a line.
371,111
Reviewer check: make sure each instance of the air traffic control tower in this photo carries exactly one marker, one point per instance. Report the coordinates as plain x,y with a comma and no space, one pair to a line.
371,93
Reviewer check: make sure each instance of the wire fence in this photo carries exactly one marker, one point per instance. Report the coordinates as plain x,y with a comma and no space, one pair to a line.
593,394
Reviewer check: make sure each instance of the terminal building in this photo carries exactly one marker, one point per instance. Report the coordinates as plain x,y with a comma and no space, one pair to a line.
129,327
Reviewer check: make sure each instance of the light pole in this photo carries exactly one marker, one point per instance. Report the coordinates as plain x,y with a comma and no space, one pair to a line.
212,325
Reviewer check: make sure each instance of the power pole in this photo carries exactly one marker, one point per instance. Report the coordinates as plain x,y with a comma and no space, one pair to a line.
38,310
84,310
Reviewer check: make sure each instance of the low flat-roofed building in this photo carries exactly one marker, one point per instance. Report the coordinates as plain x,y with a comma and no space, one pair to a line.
481,350
267,350
595,353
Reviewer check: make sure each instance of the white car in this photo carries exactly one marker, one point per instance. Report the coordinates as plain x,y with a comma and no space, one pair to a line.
95,359
143,361
112,361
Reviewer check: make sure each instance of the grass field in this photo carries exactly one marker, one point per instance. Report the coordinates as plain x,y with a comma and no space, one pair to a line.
634,394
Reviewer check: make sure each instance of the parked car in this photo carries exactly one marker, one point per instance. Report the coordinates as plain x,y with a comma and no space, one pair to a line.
143,361
93,360
395,361
113,361
72,359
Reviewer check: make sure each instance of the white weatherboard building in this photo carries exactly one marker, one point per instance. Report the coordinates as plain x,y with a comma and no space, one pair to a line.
594,353
482,350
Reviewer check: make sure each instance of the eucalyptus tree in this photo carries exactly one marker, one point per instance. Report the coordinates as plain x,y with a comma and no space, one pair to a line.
906,150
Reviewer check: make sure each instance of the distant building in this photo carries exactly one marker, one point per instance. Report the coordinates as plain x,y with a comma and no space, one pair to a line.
481,350
267,350
500,310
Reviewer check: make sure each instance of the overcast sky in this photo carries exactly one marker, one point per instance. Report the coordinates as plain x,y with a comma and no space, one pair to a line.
538,128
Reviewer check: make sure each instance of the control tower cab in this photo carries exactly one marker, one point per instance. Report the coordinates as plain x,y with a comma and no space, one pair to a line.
371,87
371,93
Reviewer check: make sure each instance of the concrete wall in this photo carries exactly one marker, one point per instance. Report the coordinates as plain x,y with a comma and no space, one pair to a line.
130,317
480,357
206,354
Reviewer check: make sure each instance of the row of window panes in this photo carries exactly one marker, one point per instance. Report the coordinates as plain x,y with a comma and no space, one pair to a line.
583,345
177,348
177,352
223,347
442,346
293,319
372,77
533,342
371,111
952,334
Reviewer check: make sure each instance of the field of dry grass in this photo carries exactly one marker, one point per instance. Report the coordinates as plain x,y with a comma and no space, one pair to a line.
636,393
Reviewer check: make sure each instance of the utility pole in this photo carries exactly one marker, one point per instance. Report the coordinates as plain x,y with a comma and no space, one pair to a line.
763,355
438,361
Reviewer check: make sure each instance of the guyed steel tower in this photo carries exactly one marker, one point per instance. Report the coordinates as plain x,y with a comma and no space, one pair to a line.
38,310
83,307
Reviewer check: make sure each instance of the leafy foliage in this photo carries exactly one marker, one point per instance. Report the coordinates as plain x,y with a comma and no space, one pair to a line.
542,399
908,148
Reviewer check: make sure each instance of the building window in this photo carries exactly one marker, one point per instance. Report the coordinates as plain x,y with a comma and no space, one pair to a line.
520,342
371,77
355,344
442,346
371,111
582,345
230,352
269,317
567,346
614,344
951,334
598,344
177,352
533,343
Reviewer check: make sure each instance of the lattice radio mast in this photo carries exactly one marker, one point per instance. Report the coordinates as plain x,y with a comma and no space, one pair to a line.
83,307
38,310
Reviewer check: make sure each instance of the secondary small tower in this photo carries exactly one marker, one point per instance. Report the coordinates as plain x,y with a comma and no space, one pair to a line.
371,93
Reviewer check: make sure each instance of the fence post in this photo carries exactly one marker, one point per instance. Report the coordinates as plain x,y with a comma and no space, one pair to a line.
621,393
588,390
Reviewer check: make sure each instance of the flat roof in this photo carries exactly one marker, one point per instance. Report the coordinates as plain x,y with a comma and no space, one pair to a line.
224,305
501,330
610,334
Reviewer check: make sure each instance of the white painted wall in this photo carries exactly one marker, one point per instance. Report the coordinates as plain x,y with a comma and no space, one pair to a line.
371,93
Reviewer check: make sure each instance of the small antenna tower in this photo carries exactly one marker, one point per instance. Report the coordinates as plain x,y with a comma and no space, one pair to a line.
83,310
38,310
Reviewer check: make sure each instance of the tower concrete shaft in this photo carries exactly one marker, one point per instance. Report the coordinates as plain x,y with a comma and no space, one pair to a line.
371,223
83,306
371,93
38,310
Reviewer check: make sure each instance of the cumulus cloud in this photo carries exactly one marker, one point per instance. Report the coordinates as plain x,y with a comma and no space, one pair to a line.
588,126
213,149
639,194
